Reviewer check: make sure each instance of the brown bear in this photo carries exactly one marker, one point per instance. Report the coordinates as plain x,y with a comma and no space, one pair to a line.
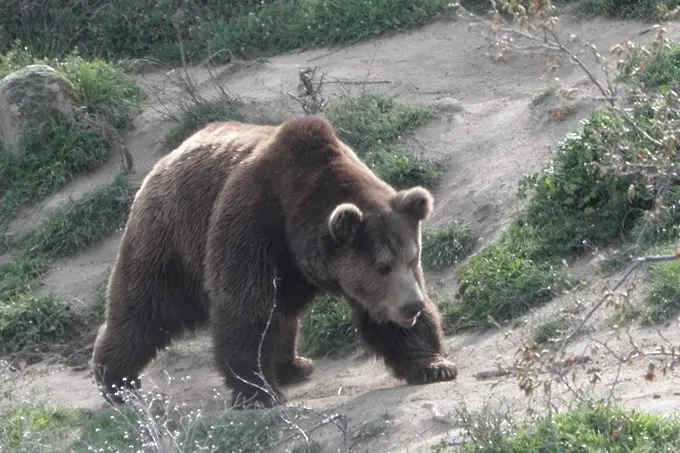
240,227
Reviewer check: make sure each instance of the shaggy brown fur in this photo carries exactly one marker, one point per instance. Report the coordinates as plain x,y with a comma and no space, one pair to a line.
242,226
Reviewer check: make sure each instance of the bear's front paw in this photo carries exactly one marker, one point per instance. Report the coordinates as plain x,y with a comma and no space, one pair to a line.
297,370
436,371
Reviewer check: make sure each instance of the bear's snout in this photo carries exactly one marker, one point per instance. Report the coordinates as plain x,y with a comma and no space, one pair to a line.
412,309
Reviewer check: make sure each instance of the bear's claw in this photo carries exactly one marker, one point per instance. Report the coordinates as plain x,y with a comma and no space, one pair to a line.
294,371
438,371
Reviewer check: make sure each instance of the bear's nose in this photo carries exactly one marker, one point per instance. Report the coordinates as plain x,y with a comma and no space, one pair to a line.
411,309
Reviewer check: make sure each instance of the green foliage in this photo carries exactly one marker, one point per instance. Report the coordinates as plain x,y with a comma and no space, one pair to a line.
327,328
503,282
446,246
572,204
129,28
625,9
584,429
103,89
30,320
48,160
36,428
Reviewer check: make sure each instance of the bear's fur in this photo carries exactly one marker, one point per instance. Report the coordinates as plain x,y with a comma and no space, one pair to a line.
240,227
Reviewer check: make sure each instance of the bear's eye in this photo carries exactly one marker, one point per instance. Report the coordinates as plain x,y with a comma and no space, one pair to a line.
384,269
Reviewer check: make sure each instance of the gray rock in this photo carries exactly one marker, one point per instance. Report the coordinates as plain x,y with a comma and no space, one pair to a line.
29,98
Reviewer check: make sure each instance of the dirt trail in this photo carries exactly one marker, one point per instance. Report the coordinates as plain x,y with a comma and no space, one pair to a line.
492,135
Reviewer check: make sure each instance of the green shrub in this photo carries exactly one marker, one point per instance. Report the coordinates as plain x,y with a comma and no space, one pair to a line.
48,160
26,319
446,246
327,328
503,282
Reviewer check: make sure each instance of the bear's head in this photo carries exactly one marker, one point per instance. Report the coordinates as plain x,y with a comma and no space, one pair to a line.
377,259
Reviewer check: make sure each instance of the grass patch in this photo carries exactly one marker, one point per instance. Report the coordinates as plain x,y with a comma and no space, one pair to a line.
27,319
446,246
130,29
81,224
48,160
371,119
191,431
584,429
662,295
655,69
371,123
549,331
100,86
625,9
37,428
327,328
502,282
195,115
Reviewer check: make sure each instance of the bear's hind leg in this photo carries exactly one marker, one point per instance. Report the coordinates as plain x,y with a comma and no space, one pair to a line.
413,354
244,360
121,351
290,367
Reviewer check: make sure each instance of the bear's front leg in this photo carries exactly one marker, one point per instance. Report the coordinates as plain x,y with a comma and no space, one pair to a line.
413,354
247,364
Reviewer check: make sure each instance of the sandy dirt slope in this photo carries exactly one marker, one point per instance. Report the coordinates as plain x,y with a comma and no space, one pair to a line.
490,132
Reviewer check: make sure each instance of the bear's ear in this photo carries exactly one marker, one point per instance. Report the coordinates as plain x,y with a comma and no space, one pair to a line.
344,222
416,202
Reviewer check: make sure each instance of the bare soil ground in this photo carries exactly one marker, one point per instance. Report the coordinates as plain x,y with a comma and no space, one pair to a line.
491,131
